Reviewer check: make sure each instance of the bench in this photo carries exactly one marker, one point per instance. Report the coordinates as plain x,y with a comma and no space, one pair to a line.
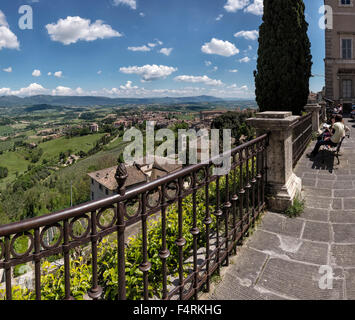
335,150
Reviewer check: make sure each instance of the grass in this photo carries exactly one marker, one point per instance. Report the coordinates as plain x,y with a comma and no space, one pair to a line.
296,209
14,162
5,145
101,160
52,148
115,144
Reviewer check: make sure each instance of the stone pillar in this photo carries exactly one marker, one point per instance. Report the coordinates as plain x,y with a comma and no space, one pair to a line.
323,106
282,184
314,109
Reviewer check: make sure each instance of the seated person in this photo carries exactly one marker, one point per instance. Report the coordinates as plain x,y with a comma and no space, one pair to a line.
328,130
339,133
340,109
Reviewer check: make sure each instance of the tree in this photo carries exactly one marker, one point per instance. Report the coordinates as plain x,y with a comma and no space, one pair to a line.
236,122
3,172
284,57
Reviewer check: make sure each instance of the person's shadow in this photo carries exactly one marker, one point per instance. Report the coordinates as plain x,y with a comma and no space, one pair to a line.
324,160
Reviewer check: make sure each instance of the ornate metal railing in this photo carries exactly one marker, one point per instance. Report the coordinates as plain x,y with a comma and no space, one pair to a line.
301,136
237,201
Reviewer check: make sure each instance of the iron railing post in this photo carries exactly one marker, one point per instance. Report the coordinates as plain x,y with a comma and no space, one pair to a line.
121,176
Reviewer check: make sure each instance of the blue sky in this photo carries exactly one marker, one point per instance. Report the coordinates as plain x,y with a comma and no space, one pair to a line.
138,48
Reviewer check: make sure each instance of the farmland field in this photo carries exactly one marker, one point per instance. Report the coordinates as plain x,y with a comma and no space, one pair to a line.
52,149
6,130
15,160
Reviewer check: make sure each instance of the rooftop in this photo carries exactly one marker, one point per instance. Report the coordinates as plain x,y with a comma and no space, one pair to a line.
106,177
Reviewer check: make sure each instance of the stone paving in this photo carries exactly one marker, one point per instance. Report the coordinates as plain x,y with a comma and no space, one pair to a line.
283,258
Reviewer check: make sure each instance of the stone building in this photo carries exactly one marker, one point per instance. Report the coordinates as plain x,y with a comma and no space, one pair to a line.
104,184
340,53
94,127
210,114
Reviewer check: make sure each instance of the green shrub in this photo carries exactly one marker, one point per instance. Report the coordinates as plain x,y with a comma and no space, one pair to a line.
3,172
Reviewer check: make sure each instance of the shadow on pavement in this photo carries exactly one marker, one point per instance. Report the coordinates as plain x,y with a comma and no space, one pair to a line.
324,160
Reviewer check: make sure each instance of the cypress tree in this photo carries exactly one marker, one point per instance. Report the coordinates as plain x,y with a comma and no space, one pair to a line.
284,57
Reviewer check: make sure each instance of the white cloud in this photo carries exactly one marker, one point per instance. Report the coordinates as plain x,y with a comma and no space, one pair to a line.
5,91
244,60
149,72
128,90
220,47
257,8
9,69
142,14
49,73
142,92
31,90
99,72
248,35
219,17
73,29
166,51
235,5
233,70
250,47
3,21
36,73
199,79
156,43
130,3
128,86
8,39
62,91
208,63
215,68
65,91
58,74
142,48
234,86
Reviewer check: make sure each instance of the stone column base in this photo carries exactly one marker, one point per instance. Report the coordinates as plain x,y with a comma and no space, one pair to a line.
280,197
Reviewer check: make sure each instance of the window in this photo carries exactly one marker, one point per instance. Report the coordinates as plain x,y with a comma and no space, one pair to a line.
92,196
347,48
100,186
345,2
347,88
106,191
92,181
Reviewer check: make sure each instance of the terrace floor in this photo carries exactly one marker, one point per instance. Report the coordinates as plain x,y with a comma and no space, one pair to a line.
288,258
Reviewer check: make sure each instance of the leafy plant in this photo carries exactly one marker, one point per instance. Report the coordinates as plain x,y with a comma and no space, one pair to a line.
296,209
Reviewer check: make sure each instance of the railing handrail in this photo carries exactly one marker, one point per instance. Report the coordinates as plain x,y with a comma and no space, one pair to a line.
52,218
301,139
301,119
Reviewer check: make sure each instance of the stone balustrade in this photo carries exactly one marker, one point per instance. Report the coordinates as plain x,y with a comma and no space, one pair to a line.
282,184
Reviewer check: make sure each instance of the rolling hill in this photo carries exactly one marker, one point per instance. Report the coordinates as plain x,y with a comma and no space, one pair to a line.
10,101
